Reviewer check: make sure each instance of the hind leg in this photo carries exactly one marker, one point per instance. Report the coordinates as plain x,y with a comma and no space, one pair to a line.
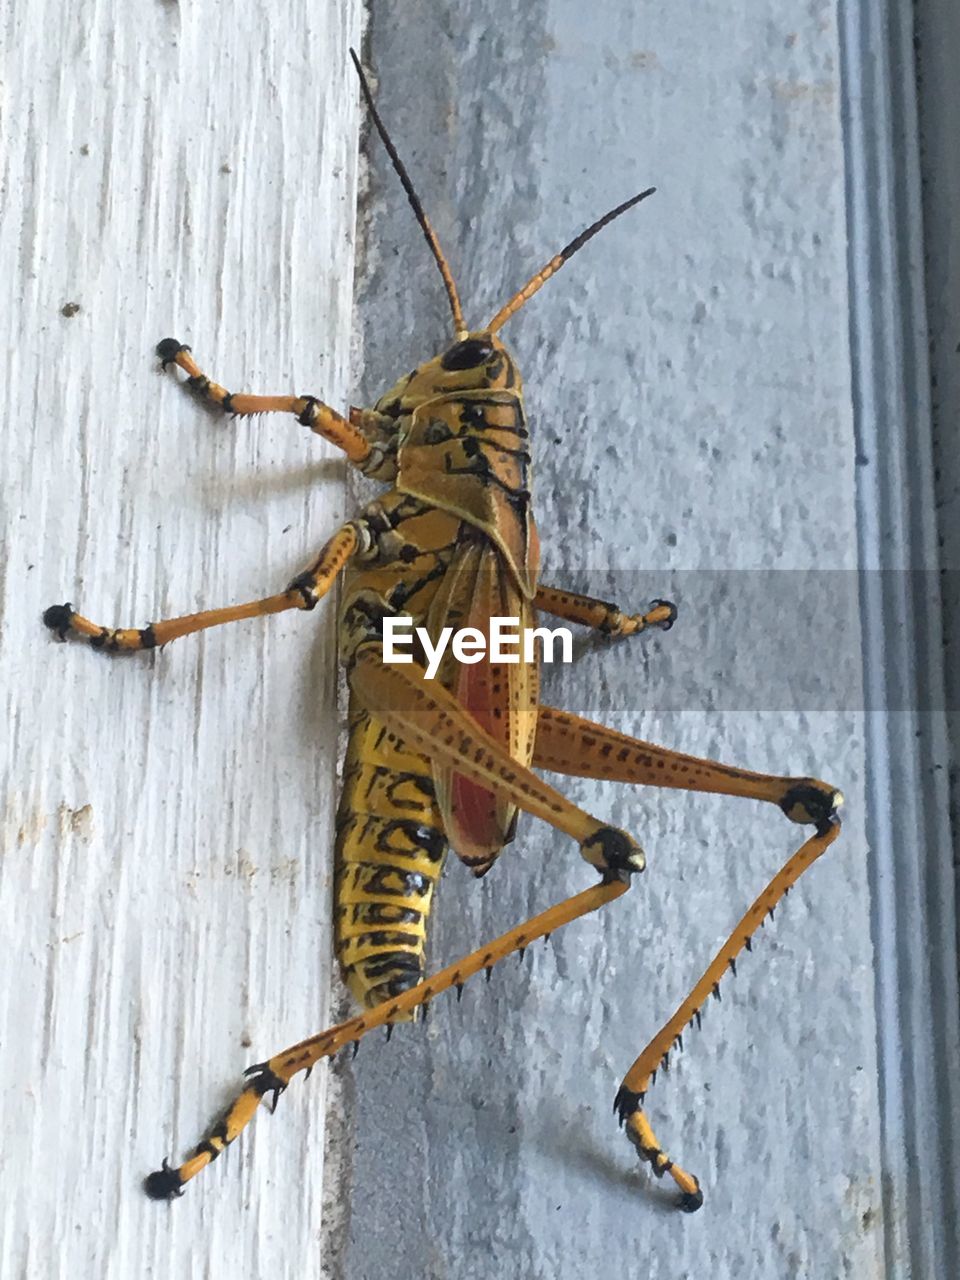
569,744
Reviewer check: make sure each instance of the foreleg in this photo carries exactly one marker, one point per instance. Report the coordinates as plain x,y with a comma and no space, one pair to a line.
308,410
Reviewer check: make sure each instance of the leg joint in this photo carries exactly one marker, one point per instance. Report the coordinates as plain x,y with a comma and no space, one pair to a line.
626,1103
303,584
311,407
814,802
612,850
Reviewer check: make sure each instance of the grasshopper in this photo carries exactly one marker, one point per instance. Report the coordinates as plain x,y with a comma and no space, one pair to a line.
451,760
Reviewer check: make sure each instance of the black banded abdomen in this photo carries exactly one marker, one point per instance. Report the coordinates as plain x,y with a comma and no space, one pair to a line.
390,849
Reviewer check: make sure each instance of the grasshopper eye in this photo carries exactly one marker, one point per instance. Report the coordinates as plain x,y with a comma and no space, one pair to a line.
467,354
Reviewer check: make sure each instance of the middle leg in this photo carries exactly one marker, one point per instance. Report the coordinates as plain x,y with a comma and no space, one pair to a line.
308,410
601,615
304,592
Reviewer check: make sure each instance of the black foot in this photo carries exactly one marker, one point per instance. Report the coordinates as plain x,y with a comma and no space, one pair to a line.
168,350
164,1184
691,1201
57,618
667,623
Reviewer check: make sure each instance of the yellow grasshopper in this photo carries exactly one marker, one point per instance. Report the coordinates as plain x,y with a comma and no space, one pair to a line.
450,761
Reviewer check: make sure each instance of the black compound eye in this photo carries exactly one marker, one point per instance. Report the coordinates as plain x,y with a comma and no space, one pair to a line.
467,354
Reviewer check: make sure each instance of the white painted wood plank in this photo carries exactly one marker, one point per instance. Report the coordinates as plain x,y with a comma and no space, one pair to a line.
165,872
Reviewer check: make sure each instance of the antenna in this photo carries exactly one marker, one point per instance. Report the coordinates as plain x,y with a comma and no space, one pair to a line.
426,228
553,266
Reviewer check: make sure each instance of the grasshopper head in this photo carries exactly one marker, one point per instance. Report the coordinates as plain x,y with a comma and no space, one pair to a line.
476,362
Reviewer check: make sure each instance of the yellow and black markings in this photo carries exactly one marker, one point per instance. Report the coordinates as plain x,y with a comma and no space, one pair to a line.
452,761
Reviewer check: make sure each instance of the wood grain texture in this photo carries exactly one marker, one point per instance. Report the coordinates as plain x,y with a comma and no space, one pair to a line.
165,866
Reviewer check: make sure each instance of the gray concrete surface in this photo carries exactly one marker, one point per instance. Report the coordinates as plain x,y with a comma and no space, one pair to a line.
689,386
938,49
896,326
